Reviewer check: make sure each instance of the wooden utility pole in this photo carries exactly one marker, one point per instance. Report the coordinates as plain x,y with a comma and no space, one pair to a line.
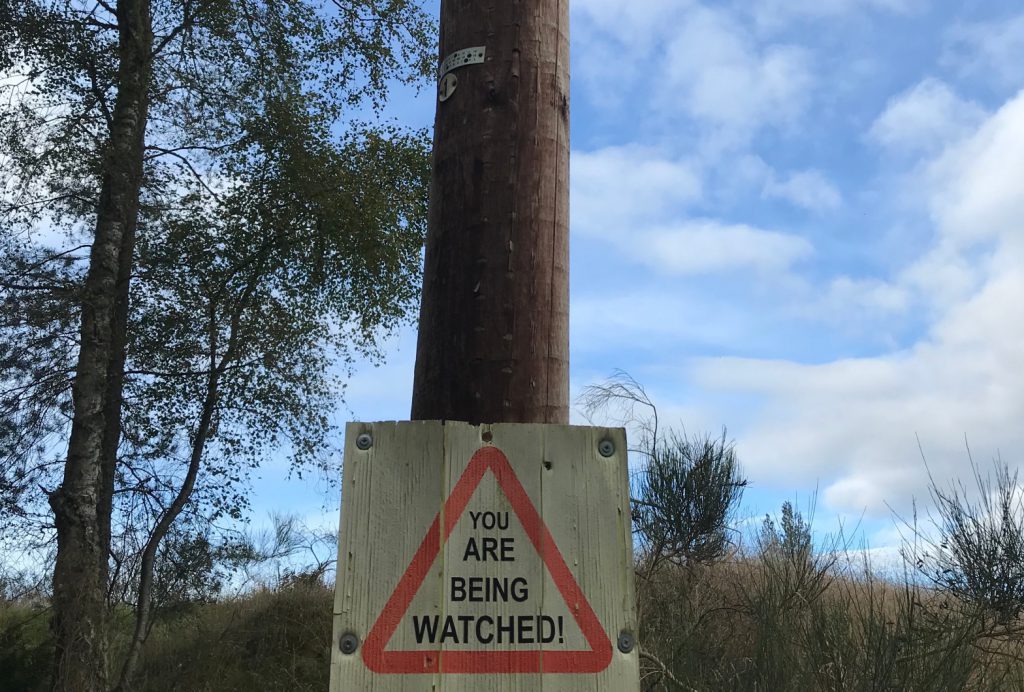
494,322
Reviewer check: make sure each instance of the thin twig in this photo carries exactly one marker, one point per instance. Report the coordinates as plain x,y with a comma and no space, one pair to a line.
663,669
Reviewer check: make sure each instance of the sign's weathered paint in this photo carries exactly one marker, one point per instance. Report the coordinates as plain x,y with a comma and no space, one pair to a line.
494,557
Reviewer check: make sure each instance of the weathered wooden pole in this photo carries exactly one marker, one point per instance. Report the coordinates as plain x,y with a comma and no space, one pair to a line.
451,532
494,322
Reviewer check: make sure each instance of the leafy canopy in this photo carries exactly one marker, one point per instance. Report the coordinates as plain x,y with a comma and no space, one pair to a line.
279,231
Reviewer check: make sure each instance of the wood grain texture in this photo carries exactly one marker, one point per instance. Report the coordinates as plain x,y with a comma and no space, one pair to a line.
394,493
494,322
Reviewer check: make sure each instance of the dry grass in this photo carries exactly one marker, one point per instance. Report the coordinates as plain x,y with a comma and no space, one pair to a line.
269,640
770,623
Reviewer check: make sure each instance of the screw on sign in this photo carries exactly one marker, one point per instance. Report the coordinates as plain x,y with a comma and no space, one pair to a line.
522,569
349,643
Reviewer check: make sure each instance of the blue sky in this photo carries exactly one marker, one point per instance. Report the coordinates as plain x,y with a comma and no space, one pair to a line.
800,219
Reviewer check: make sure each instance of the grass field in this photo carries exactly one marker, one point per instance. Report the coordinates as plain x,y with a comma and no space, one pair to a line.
776,621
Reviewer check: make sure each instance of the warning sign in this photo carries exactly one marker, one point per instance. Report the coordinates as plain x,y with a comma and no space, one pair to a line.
484,551
490,541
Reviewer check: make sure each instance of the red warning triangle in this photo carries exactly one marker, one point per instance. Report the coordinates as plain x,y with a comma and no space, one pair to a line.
491,661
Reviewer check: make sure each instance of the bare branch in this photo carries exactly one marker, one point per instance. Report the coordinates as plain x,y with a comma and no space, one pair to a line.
663,670
188,164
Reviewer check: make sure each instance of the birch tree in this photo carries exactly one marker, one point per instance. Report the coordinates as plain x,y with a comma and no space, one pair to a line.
208,199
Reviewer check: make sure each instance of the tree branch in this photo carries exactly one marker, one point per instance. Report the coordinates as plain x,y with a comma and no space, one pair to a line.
664,671
187,164
144,605
188,20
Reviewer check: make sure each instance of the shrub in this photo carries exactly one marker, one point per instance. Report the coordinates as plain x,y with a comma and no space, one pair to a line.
789,616
974,549
687,488
686,496
26,654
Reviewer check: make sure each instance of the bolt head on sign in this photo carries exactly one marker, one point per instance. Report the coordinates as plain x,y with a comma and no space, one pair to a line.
479,558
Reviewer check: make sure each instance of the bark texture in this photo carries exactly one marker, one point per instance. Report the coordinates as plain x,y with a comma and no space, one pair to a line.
494,322
81,505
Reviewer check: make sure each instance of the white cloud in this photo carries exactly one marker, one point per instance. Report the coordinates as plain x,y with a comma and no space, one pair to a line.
633,23
704,246
616,188
870,299
925,119
614,44
809,190
775,13
670,61
975,197
741,176
852,423
666,321
991,51
639,202
977,185
941,277
717,73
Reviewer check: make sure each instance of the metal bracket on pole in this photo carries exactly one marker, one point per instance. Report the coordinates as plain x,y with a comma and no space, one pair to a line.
460,58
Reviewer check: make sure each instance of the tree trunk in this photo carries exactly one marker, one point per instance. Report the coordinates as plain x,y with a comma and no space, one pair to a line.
494,322
144,606
81,505
115,394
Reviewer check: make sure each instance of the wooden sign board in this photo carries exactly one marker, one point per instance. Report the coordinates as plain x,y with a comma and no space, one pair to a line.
484,558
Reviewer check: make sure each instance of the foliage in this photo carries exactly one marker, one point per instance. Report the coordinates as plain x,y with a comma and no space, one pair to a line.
25,648
231,83
257,216
272,639
252,612
789,539
278,237
796,614
38,345
790,616
745,623
687,488
283,282
974,549
686,496
306,248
